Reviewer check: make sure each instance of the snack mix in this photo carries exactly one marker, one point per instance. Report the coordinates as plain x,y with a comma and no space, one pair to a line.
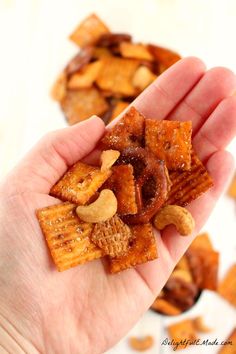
108,72
197,270
227,287
110,209
232,188
187,329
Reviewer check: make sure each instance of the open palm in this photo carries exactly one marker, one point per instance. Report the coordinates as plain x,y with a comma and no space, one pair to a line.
85,309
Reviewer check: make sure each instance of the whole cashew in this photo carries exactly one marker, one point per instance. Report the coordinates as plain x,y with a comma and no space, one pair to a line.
108,158
174,214
101,210
141,344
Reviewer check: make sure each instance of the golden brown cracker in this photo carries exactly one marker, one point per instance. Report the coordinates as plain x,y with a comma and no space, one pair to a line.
181,331
128,131
116,75
101,52
165,307
119,107
232,188
79,105
202,241
122,183
142,249
135,51
79,183
183,263
86,77
227,287
185,275
58,91
89,31
68,238
112,236
164,57
170,141
189,185
204,266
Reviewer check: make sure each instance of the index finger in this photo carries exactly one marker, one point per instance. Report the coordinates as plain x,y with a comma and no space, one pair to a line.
161,97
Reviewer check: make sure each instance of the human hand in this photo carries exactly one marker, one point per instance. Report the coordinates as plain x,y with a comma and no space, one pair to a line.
85,310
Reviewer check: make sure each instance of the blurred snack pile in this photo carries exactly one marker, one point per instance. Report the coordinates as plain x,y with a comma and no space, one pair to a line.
108,72
232,188
188,330
197,270
227,287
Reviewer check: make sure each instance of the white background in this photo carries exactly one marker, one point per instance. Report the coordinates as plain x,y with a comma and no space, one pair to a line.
34,48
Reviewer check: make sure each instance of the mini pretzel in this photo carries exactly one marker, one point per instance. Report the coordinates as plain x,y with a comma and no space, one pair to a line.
79,61
180,293
113,39
152,183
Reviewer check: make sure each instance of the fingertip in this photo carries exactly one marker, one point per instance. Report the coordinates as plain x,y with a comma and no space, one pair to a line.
93,121
184,73
222,71
225,77
221,167
194,62
223,158
229,103
225,115
97,119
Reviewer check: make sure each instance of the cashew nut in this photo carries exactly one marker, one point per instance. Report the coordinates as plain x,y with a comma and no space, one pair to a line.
141,344
108,158
101,210
174,214
200,325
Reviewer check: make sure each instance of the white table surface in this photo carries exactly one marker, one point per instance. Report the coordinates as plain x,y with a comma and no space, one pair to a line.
34,47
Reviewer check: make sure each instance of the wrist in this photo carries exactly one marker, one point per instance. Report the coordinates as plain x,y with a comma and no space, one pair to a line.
12,341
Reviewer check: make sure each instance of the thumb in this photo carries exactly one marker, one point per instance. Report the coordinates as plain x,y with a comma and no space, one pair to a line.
54,153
